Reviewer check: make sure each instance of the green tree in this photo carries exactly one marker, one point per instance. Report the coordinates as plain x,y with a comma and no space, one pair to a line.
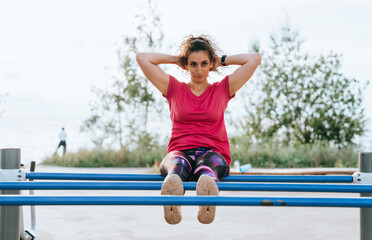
302,98
124,108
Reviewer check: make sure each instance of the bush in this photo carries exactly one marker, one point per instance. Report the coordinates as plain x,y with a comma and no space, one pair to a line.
108,158
272,154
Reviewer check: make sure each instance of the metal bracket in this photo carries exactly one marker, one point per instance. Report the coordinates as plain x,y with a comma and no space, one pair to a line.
362,178
29,235
12,175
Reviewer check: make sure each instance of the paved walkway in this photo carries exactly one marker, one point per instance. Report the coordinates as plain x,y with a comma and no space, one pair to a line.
147,223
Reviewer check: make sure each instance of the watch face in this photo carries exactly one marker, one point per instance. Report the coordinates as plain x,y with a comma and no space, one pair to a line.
223,60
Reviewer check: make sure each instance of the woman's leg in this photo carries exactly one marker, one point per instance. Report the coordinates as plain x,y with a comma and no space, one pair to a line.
175,167
210,168
212,164
177,162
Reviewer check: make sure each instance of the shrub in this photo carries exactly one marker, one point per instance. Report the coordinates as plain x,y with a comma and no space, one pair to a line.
271,154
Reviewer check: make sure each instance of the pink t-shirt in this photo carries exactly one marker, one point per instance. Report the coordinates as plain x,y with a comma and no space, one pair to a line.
198,121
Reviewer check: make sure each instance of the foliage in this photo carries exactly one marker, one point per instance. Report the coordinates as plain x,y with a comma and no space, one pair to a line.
124,107
261,155
138,91
302,98
272,154
99,157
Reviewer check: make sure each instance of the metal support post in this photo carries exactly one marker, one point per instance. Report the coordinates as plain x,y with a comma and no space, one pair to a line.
365,166
10,215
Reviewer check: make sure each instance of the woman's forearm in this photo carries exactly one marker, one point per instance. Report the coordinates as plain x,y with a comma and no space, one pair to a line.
248,65
157,58
241,59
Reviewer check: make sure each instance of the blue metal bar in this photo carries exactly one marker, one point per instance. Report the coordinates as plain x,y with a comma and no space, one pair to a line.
289,178
186,200
156,177
287,187
94,176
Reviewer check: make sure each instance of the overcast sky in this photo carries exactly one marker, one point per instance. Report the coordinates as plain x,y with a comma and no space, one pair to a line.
52,52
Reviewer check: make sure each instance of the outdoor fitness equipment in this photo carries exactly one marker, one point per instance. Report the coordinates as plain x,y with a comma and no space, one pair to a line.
13,179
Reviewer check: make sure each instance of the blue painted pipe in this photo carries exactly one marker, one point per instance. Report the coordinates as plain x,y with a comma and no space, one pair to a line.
287,187
186,200
94,176
156,177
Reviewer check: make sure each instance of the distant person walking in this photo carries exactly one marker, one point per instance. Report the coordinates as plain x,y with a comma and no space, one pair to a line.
62,141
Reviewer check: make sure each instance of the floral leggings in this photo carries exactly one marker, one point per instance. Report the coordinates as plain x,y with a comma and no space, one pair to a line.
190,164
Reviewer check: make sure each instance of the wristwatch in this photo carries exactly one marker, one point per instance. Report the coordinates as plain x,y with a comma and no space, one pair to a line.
223,58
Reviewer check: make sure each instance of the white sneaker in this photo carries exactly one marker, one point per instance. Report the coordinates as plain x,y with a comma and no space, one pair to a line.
172,185
206,186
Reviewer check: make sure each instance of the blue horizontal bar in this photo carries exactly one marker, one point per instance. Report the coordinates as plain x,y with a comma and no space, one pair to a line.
288,187
186,200
289,178
157,177
94,176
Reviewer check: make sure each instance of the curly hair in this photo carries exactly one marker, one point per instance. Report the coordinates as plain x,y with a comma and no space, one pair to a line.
195,44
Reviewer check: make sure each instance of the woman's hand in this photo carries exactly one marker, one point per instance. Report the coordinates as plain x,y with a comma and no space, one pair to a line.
216,63
179,63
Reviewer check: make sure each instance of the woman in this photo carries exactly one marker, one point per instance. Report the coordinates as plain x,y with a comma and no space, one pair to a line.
199,148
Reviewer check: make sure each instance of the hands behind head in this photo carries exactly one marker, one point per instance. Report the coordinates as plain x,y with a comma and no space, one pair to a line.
216,63
179,63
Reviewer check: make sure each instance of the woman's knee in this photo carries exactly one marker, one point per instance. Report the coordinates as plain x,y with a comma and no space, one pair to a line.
214,161
175,160
211,159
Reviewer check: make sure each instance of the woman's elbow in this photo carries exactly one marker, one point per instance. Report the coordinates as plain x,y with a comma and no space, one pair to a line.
257,58
140,56
143,57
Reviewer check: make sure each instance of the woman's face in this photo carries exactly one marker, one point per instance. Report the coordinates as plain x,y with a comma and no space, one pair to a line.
199,65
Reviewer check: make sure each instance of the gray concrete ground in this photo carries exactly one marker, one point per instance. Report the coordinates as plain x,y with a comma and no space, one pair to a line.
147,223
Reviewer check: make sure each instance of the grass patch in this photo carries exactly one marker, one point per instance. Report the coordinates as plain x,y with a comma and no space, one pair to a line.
108,158
264,155
273,155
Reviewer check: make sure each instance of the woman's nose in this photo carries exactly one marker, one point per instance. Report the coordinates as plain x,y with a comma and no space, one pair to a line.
198,69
